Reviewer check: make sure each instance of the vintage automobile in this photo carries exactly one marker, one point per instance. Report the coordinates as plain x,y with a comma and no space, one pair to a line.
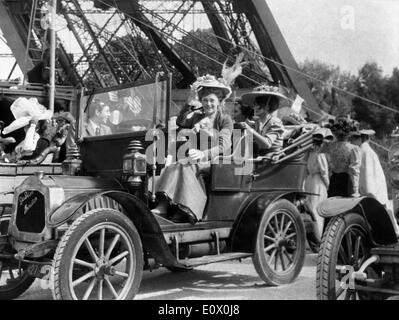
359,253
93,223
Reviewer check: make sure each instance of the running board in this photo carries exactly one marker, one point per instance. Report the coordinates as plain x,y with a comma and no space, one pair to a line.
194,262
188,236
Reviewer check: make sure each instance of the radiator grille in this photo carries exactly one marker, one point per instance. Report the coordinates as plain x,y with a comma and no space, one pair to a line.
31,212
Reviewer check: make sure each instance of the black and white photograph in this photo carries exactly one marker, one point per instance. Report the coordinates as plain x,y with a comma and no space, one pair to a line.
199,154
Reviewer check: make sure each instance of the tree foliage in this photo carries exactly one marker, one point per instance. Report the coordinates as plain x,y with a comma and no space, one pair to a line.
323,80
341,93
373,85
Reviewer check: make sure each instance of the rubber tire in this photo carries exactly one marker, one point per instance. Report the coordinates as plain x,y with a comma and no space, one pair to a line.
14,291
268,275
328,254
77,229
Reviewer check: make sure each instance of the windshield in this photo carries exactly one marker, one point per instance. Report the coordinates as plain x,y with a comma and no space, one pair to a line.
125,110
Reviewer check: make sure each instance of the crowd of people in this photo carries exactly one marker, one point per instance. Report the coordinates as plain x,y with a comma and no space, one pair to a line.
343,164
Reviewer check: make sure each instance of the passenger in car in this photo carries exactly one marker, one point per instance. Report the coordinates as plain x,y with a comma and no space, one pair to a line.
181,183
269,129
64,134
99,114
28,144
46,133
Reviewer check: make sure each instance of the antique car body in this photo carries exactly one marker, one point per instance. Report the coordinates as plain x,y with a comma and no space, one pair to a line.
93,223
359,253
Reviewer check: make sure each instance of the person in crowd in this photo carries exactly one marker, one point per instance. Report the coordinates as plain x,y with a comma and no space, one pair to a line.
28,144
344,160
317,179
46,133
269,129
372,180
64,134
99,114
181,183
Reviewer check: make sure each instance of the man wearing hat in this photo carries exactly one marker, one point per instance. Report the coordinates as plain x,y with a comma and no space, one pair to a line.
269,129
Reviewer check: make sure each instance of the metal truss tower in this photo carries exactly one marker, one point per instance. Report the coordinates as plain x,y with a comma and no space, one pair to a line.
109,42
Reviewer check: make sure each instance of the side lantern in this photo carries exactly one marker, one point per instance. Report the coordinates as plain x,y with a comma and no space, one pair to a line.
134,163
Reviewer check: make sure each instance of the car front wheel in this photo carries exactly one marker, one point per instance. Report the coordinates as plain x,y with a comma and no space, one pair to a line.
100,257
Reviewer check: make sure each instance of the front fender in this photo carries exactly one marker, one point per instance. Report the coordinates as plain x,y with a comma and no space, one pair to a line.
378,220
150,232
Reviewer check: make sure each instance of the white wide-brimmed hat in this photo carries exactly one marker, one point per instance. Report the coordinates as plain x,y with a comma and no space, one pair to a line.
210,81
25,110
263,90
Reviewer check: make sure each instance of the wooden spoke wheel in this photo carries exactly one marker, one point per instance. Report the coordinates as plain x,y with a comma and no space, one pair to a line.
280,244
100,257
345,243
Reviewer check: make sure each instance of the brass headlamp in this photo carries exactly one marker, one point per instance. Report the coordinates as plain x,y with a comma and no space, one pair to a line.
134,163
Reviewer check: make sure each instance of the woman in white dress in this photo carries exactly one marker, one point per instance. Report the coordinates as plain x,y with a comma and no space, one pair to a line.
372,179
317,180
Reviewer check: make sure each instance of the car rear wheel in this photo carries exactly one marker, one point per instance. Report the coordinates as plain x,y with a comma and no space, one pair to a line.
100,257
345,243
280,244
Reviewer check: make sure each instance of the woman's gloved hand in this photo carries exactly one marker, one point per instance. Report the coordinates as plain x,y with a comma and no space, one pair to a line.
195,154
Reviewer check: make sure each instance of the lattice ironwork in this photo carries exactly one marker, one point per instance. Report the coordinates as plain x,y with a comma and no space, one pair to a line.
118,41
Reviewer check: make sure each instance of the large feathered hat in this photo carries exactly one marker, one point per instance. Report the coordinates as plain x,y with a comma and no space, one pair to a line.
228,75
210,81
262,90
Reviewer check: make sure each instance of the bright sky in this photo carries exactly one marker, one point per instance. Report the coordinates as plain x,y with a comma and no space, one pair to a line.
347,33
